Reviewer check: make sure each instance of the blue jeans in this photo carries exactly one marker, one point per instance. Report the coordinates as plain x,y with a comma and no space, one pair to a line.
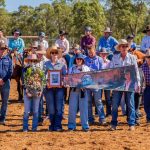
147,102
108,101
28,102
41,108
4,91
76,100
98,103
55,104
129,99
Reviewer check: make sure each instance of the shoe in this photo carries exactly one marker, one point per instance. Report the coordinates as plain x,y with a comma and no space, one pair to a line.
113,128
51,128
2,121
85,129
108,115
137,122
140,115
25,130
148,122
131,128
103,122
65,118
91,123
71,129
58,130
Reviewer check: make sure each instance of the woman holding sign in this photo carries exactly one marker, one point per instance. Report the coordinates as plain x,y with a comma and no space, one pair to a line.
54,92
78,98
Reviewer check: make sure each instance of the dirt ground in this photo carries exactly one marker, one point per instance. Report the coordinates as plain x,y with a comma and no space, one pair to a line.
98,138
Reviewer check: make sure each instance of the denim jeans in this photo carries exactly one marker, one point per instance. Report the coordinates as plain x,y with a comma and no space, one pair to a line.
55,104
147,102
123,105
41,108
76,101
28,102
98,103
129,99
108,101
4,91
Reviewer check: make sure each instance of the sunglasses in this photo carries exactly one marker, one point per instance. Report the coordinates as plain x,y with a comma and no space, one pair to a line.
2,49
54,53
124,46
79,58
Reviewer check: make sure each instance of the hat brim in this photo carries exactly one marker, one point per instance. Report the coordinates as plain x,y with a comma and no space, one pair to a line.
107,31
145,31
117,46
27,60
49,50
41,52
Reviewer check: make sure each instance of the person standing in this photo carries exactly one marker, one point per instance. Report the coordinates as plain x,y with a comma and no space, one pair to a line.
94,62
124,59
6,70
145,44
87,41
146,71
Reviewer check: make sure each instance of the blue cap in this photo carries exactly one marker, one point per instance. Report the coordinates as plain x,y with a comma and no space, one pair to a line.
80,56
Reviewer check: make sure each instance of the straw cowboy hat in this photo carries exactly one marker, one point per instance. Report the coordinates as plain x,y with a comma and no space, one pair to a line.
146,29
121,42
31,57
147,54
107,29
41,49
54,48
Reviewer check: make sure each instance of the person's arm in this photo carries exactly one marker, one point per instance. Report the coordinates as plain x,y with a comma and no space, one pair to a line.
21,46
143,44
10,71
67,47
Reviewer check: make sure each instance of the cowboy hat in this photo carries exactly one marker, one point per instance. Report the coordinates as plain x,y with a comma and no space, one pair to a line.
34,44
41,49
42,34
17,31
147,54
31,57
54,48
62,32
80,56
107,29
121,42
88,28
147,29
76,47
130,36
103,51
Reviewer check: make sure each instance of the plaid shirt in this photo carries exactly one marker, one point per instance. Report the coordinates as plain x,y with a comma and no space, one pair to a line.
146,71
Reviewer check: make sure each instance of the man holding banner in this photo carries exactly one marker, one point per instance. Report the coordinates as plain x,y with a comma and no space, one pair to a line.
120,60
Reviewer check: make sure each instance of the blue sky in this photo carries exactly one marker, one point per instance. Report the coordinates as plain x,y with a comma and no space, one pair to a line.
12,5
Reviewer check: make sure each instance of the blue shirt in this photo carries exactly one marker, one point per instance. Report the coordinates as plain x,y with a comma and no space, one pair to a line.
94,63
16,44
109,43
6,68
58,66
133,45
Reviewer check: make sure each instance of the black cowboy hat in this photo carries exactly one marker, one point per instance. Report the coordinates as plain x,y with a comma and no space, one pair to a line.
17,31
62,32
147,29
130,36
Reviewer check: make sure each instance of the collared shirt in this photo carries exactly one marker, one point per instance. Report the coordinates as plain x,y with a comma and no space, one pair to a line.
145,44
64,44
107,43
106,64
16,44
77,69
130,59
58,66
87,41
146,71
43,42
6,68
95,63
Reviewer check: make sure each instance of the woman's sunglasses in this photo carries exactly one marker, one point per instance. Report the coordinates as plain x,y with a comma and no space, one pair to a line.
54,53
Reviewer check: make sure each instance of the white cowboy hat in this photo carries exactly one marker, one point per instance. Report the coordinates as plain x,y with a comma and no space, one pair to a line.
121,42
107,29
54,48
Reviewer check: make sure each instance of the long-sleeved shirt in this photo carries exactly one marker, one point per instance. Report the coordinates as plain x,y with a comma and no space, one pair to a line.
107,43
16,44
130,59
146,71
95,63
43,42
6,68
64,44
145,44
87,41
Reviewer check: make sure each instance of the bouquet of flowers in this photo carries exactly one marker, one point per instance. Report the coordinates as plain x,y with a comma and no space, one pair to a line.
34,81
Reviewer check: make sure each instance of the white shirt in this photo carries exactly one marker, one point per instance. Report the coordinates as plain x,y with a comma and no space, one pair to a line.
130,59
105,64
44,42
64,44
145,44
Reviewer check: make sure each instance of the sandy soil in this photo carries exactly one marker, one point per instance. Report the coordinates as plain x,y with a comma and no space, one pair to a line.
98,138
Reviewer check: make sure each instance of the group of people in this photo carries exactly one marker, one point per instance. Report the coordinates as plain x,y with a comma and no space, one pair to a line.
83,57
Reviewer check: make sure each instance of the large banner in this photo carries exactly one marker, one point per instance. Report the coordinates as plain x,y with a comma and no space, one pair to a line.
120,79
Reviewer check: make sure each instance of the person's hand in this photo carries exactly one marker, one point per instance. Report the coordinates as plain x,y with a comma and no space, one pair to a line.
138,89
1,82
